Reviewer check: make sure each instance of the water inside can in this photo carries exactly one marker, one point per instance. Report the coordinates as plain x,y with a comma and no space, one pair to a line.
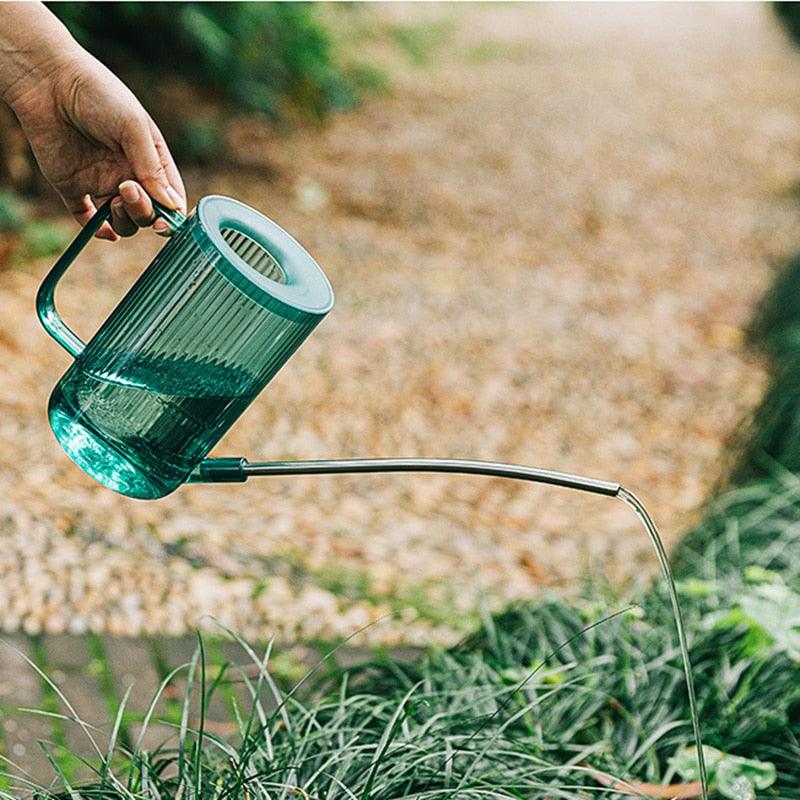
142,428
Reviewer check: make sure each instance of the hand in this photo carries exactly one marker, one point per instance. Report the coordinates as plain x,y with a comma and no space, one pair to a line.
93,141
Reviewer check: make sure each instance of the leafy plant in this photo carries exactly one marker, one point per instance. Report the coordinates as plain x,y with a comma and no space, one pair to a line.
259,56
733,777
775,609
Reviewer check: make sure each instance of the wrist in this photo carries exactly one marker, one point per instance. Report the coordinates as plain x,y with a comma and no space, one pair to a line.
34,48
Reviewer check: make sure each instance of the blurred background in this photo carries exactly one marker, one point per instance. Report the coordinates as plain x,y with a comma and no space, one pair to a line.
547,227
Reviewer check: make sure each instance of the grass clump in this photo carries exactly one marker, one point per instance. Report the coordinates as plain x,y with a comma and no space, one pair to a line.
537,703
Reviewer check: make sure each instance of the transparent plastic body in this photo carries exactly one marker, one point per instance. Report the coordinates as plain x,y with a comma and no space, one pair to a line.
207,325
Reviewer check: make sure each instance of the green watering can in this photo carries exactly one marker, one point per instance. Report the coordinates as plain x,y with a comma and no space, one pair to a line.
218,312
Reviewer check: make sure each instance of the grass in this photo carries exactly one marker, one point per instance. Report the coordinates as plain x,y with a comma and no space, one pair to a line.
50,706
101,668
525,707
354,586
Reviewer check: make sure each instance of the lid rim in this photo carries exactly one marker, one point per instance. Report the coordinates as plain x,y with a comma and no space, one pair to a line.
306,290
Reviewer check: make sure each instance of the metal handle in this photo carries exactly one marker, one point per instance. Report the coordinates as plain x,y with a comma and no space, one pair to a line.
45,297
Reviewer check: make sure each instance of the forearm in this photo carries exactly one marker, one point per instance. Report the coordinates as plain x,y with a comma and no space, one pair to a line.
33,45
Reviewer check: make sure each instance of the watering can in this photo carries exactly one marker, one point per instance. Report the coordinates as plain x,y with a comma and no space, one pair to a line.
219,310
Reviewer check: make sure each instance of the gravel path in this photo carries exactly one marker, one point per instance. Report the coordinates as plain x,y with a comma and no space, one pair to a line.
545,244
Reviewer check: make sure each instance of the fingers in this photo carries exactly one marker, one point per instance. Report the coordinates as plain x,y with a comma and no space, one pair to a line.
156,176
120,220
152,164
170,168
83,209
132,210
107,232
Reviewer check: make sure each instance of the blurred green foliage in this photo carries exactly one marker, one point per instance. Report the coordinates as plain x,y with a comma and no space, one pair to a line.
12,211
770,439
42,238
260,56
200,140
789,15
419,42
24,237
496,50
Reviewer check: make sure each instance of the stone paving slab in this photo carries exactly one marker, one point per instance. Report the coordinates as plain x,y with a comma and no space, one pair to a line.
19,732
132,667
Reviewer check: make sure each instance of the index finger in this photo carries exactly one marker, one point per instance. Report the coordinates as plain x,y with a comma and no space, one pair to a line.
152,165
137,203
170,168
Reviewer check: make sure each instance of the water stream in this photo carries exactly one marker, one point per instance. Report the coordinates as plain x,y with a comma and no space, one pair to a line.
636,504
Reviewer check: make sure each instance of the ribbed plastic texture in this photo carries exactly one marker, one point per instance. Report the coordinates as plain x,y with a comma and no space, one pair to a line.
176,363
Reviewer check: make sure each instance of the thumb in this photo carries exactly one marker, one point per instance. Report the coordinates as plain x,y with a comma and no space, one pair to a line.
152,165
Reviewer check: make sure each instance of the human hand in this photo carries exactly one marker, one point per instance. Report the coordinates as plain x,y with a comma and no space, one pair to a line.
93,141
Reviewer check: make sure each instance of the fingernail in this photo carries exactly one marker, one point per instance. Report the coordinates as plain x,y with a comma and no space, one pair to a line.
176,199
161,227
129,191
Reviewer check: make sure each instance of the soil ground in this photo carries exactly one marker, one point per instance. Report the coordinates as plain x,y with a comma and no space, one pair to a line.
546,241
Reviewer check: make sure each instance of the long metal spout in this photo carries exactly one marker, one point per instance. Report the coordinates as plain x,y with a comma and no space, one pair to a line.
238,470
